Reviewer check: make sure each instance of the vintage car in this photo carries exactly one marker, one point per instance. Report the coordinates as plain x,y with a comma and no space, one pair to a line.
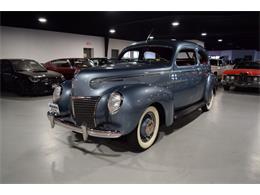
153,83
27,77
244,74
218,66
68,66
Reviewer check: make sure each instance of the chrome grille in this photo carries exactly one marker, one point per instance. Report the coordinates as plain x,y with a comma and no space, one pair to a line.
84,110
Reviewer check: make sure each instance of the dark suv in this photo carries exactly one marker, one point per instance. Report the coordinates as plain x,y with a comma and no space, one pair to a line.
27,77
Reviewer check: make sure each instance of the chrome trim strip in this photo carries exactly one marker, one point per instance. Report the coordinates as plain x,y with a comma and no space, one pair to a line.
82,129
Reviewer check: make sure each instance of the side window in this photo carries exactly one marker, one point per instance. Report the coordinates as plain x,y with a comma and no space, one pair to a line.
6,67
61,63
203,58
186,57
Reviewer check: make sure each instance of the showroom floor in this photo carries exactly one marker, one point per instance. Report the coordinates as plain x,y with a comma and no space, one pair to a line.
220,146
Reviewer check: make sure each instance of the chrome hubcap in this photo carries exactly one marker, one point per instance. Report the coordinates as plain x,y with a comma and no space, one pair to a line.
148,127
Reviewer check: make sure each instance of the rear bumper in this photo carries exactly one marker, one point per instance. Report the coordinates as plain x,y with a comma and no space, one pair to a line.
85,131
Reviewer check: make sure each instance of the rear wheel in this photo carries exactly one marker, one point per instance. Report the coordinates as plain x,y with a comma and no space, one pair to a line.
209,104
146,132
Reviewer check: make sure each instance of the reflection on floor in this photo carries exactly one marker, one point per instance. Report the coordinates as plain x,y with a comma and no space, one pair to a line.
220,146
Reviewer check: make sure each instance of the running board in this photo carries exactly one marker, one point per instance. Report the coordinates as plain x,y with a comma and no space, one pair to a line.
185,111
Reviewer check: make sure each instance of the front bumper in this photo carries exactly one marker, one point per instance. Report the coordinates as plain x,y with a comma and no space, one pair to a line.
85,131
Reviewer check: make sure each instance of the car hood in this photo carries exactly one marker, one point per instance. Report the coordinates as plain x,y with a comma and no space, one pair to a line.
250,72
95,81
46,74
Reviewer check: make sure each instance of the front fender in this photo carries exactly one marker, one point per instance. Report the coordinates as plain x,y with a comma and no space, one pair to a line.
64,102
136,98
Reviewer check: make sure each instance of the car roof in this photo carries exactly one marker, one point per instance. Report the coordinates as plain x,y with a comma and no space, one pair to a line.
171,43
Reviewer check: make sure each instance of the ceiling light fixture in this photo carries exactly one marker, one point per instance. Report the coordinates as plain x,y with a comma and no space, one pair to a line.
175,23
42,20
204,34
220,40
112,31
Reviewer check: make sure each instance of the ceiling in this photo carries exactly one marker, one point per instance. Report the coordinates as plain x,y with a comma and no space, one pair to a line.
239,30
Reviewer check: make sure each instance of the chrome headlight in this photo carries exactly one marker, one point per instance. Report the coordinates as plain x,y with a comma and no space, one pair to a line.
114,102
56,93
33,79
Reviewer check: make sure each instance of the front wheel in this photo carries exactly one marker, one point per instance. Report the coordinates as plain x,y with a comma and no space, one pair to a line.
209,104
146,132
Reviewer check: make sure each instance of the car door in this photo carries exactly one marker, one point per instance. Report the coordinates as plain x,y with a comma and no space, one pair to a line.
186,77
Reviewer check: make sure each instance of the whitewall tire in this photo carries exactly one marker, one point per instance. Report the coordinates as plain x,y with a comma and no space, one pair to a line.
146,132
209,104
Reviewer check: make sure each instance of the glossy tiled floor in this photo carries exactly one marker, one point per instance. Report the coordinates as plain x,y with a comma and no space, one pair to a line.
220,146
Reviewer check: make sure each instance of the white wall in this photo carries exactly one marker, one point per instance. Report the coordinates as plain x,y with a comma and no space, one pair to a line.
44,45
117,44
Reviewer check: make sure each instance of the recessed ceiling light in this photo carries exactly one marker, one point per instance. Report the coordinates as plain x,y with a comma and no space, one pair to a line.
204,34
175,23
42,20
220,40
112,31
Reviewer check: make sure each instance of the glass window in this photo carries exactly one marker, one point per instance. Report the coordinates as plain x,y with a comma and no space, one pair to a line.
61,63
213,62
131,55
148,54
186,57
27,65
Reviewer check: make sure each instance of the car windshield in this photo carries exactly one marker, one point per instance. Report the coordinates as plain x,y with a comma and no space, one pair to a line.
248,65
148,54
27,65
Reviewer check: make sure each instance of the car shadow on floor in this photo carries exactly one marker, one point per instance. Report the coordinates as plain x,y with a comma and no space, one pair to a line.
244,91
120,144
14,96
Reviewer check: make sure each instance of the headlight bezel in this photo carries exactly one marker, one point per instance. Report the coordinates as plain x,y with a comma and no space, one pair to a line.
114,102
56,93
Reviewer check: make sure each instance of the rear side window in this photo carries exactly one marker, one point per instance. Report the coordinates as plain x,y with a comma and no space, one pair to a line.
186,57
61,63
203,57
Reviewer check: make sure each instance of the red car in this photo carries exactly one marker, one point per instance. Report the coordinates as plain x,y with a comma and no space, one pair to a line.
246,74
68,66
